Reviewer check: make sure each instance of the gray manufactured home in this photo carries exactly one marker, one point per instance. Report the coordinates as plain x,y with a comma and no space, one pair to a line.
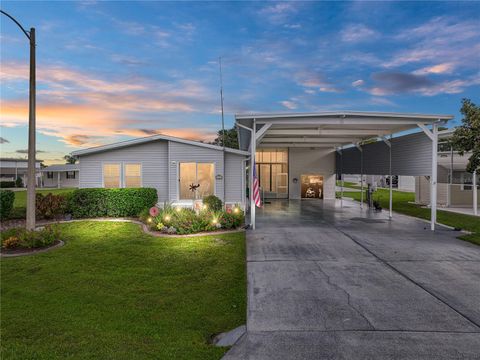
168,164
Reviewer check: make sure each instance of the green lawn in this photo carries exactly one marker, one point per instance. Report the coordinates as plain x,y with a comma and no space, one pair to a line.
113,292
20,202
401,204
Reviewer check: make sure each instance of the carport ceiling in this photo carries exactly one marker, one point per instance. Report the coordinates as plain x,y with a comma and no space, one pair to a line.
328,129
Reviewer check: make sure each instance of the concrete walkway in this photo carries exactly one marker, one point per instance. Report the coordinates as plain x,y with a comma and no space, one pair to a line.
339,283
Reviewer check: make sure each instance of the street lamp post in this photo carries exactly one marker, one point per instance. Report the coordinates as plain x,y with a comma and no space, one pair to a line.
31,171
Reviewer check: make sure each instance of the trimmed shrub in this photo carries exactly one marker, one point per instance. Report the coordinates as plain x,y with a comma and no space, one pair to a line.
19,182
7,184
50,206
85,203
6,203
213,203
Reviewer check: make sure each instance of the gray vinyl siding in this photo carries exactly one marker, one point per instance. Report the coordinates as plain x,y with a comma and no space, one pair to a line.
179,152
411,155
153,156
233,177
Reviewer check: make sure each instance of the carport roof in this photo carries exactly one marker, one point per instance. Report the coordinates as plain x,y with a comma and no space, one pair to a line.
327,129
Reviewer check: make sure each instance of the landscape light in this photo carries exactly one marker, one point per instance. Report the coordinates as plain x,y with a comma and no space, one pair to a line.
205,206
214,221
235,210
149,219
167,218
178,208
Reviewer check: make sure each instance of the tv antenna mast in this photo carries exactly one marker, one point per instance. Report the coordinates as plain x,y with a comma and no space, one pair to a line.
221,101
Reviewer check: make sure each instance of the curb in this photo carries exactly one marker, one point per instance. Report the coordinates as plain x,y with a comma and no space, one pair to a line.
33,252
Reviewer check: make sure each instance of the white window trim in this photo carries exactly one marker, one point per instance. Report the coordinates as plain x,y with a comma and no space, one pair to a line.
124,177
196,174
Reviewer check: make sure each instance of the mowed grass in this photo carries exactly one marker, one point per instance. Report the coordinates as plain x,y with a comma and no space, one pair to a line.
402,204
113,292
20,202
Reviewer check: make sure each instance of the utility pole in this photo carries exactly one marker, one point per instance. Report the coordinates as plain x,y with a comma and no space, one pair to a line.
31,171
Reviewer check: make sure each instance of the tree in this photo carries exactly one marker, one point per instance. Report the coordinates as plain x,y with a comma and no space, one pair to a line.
69,159
466,137
231,139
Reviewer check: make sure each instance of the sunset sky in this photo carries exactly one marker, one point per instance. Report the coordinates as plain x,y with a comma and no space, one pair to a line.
108,71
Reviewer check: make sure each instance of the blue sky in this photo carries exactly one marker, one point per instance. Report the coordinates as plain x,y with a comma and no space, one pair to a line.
108,71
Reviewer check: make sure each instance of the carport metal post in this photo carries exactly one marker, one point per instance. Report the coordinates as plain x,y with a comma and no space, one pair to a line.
253,144
361,176
340,151
390,200
253,147
433,135
433,194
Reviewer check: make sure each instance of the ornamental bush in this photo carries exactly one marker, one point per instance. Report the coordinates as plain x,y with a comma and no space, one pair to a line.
7,184
213,203
84,203
50,206
6,203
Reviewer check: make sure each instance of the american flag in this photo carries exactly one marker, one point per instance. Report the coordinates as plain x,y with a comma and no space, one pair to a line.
256,188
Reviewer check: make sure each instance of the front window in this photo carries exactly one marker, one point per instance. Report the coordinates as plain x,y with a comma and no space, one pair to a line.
49,174
70,174
196,180
133,175
111,175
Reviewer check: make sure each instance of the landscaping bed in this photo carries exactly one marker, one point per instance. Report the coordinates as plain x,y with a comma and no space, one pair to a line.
21,241
116,292
174,220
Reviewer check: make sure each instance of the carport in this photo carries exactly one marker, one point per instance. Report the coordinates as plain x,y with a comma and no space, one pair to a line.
366,143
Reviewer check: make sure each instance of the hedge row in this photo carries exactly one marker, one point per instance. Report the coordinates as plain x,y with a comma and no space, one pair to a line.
7,184
86,203
6,203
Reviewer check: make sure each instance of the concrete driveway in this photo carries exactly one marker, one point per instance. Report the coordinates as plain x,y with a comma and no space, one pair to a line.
326,282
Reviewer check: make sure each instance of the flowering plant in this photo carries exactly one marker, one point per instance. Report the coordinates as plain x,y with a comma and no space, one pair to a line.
154,211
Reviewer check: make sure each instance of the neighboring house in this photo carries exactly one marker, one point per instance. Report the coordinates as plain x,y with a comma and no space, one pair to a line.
402,183
60,176
170,165
11,169
455,184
